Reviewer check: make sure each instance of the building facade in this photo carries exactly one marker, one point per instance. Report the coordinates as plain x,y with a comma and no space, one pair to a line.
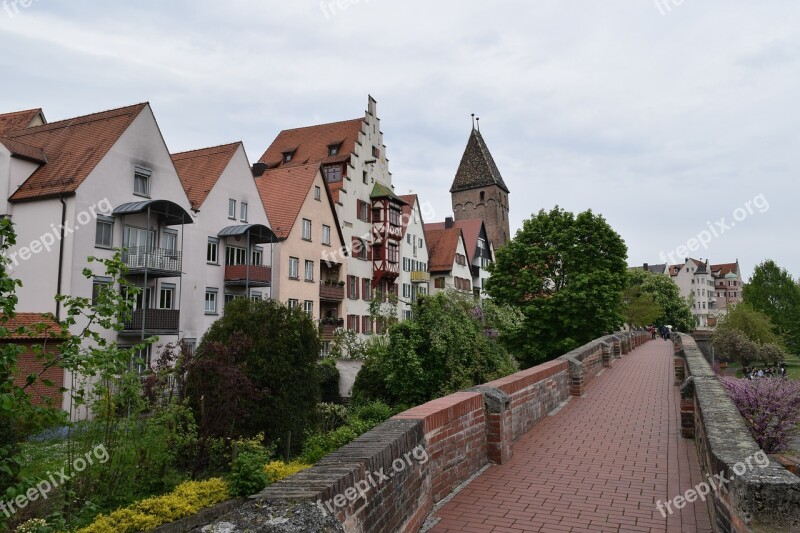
480,253
414,276
449,268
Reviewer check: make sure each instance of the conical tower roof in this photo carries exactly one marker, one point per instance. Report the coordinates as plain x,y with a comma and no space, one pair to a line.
477,168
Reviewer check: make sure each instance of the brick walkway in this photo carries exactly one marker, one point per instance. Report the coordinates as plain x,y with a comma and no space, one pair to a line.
598,465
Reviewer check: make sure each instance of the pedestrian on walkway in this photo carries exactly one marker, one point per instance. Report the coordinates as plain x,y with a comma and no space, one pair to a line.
653,331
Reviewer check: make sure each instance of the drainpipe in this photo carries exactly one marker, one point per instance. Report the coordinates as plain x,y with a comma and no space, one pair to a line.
60,256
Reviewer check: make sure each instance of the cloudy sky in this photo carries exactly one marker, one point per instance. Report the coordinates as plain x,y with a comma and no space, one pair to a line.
668,118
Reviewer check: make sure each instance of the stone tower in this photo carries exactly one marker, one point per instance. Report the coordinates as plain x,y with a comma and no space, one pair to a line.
478,190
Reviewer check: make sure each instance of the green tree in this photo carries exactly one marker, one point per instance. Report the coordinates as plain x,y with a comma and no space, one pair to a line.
640,308
450,343
566,274
772,291
753,324
270,355
675,310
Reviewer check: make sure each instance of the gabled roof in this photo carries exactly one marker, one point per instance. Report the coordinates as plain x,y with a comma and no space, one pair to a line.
442,248
199,170
724,269
24,151
408,208
73,148
310,144
283,192
477,167
674,270
42,326
471,230
18,120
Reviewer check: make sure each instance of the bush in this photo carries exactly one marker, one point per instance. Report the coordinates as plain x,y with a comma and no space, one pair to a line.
331,416
247,475
278,470
328,376
186,500
770,408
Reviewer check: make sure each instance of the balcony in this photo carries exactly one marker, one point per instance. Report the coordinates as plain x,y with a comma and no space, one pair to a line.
331,292
156,321
418,276
328,327
156,263
252,275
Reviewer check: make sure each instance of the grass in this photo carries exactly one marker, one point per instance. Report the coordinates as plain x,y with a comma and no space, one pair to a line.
40,457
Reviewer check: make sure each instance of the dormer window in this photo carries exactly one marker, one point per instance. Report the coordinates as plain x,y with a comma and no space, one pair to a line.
288,156
333,149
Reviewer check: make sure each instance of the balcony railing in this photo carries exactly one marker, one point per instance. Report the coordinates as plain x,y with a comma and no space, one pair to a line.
328,327
334,292
253,275
156,261
155,321
418,276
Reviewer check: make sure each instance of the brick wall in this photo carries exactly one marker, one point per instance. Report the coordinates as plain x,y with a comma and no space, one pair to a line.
29,364
459,434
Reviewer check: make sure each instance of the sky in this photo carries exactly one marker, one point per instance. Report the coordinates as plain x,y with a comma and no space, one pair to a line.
671,118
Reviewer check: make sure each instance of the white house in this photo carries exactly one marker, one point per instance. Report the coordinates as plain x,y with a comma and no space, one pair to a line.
449,267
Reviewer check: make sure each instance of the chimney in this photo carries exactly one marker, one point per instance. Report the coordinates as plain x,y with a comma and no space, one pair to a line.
448,222
259,169
646,266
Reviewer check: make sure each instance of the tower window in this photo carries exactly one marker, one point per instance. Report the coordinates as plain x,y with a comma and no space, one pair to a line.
483,195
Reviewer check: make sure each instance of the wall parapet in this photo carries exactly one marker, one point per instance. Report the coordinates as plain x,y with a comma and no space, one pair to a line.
440,445
760,499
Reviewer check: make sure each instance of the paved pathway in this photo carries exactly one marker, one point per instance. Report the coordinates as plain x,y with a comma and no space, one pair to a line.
598,465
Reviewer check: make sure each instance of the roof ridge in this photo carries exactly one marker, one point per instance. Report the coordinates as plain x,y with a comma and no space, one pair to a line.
81,119
185,154
324,124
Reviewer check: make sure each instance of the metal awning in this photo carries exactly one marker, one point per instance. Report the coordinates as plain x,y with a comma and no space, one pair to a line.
169,213
259,234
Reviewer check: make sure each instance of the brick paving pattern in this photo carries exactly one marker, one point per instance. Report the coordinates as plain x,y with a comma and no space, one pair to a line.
598,465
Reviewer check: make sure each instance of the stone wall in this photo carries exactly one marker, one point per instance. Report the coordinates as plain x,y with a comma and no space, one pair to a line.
756,499
389,479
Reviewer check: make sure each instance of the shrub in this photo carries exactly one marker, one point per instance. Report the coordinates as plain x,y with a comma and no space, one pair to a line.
770,408
187,499
331,416
328,376
247,469
278,470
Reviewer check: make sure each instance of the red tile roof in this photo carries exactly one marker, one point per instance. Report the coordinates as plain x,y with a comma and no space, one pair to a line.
442,247
310,144
24,151
43,326
199,170
73,147
724,269
283,192
408,208
471,230
17,120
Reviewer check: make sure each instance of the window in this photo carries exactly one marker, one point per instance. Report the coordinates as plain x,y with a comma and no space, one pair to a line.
97,285
228,298
376,152
211,301
243,212
366,325
232,209
141,181
256,296
137,240
306,229
212,251
169,240
407,314
288,156
235,255
360,249
317,193
394,217
292,303
258,256
362,211
294,268
332,173
406,266
364,176
438,283
408,238
461,259
483,195
104,234
352,287
166,296
352,322
308,307
420,242
366,289
394,253
333,149
406,290
326,235
309,270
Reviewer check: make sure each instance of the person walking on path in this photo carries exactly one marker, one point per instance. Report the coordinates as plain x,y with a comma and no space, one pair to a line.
653,331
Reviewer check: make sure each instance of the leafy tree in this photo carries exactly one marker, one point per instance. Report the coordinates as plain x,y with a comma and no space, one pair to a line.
734,345
772,291
566,274
448,344
272,351
675,311
640,308
753,324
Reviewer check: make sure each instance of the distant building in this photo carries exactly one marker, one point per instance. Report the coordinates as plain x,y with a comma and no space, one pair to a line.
449,267
480,252
414,276
727,287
